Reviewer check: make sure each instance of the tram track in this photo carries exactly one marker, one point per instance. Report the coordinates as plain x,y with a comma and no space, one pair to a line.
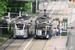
32,44
17,44
21,44
40,44
44,45
9,43
14,46
14,43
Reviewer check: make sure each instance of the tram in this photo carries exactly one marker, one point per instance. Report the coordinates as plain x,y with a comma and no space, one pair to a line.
21,28
43,27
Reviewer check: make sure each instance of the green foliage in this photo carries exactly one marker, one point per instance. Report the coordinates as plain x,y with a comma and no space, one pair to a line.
27,5
3,7
5,35
15,6
1,40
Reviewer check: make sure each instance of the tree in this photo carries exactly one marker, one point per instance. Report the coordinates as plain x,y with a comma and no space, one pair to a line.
3,7
15,6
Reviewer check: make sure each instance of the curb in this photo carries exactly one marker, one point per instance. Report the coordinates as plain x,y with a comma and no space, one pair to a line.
67,40
6,40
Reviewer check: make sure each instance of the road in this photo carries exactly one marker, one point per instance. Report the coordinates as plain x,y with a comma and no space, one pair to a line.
54,9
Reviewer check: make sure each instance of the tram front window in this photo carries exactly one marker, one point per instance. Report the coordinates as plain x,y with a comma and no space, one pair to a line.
19,26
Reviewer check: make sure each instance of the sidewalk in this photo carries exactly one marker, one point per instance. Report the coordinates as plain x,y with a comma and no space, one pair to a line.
71,40
58,43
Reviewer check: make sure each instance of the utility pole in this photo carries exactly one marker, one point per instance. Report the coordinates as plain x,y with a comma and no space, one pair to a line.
37,5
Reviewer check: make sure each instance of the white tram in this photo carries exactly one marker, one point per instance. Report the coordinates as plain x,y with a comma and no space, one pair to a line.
21,28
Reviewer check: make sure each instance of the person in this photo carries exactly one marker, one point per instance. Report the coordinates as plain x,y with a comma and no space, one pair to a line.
56,31
58,28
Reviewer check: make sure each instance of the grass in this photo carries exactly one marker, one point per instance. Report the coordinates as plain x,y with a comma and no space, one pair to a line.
54,0
4,36
1,40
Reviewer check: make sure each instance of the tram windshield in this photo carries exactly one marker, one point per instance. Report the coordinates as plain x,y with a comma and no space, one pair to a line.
19,26
40,26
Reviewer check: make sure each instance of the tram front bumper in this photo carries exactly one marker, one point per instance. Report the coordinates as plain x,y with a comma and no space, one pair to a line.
19,36
42,36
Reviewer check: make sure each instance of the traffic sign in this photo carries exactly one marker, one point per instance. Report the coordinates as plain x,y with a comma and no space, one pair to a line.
60,18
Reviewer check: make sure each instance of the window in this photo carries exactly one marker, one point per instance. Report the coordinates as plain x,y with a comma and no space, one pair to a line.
20,26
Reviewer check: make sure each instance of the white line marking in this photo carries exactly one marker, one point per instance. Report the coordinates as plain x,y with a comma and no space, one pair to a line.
28,44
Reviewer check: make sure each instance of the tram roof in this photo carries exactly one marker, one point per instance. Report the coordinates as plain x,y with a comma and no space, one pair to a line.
24,17
43,17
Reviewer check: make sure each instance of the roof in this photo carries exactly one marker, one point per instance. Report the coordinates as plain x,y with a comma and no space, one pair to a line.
24,17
